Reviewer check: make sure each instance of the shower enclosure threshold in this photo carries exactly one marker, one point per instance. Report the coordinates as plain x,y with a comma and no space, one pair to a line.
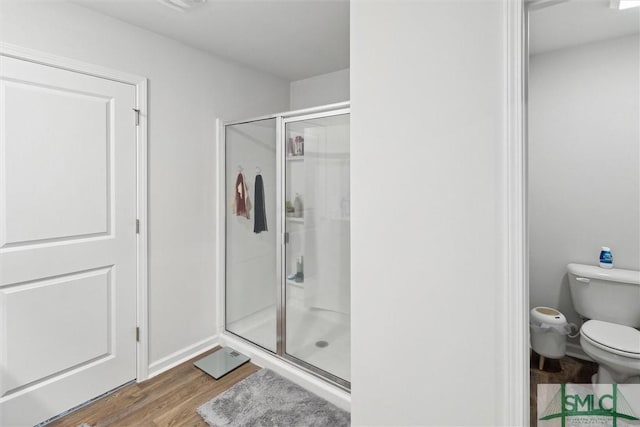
319,384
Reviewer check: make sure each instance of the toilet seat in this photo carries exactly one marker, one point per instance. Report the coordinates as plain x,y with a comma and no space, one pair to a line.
611,337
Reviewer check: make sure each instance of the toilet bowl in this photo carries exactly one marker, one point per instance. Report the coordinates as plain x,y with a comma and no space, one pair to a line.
616,350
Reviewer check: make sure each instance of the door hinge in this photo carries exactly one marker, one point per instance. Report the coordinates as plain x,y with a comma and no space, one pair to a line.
137,226
137,113
137,333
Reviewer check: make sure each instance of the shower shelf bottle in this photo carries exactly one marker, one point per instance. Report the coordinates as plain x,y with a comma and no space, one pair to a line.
297,206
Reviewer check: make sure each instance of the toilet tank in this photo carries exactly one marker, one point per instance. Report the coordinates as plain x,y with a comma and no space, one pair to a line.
611,295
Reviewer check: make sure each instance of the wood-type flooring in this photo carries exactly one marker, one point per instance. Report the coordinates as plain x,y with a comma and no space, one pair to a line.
169,399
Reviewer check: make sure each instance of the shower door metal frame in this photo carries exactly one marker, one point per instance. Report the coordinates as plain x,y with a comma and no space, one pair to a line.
281,120
282,314
222,230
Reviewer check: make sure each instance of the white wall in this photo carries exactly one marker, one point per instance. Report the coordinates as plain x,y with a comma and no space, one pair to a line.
320,90
187,91
428,204
584,163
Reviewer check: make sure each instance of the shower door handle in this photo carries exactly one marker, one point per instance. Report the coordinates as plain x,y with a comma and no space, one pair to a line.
286,237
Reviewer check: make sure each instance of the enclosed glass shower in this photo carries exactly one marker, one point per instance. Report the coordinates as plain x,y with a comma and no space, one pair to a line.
287,251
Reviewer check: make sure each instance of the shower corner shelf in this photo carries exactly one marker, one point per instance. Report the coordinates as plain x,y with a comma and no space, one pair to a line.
294,158
299,220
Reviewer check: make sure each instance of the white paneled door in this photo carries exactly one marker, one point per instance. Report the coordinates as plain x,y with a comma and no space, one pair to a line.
67,239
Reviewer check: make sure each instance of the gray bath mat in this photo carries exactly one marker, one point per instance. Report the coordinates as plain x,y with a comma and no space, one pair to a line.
267,399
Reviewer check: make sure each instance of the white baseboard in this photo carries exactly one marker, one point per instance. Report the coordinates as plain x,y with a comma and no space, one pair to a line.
262,358
180,356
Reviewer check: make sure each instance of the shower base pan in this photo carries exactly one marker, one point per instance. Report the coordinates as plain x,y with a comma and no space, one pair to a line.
221,362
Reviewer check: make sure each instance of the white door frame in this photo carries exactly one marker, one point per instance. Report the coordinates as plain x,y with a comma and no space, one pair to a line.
140,84
516,292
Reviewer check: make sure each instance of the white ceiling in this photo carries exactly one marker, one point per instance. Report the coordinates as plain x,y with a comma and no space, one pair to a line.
293,39
578,22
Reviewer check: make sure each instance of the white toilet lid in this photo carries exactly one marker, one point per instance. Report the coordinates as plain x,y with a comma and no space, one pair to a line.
617,337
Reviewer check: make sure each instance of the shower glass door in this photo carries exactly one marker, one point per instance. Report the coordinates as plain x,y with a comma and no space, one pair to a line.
316,261
251,265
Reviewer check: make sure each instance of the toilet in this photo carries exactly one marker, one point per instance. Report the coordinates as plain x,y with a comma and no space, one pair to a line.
610,299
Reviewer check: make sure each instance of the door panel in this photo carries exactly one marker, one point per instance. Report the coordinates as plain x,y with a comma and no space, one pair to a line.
43,159
251,269
67,239
29,305
318,254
